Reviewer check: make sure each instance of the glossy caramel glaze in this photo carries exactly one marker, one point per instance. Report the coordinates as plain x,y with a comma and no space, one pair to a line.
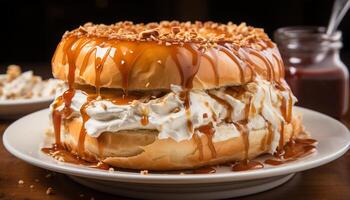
293,150
208,130
62,154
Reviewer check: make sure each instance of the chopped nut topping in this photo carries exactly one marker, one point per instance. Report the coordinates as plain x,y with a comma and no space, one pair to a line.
31,186
205,115
50,191
144,172
21,182
49,175
175,30
104,107
149,33
175,110
206,34
13,71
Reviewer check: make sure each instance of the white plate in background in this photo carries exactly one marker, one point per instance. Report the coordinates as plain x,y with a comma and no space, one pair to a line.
16,108
12,109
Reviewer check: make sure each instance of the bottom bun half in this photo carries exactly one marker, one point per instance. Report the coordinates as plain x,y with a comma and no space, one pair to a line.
142,150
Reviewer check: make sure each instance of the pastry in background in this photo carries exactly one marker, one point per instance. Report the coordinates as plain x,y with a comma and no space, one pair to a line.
16,84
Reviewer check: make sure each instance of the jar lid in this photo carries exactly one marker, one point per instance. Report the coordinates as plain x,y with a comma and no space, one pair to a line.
307,37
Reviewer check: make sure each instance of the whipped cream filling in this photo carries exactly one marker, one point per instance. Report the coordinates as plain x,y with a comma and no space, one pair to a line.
168,113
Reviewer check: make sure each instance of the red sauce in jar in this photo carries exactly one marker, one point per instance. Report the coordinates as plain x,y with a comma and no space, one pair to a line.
314,71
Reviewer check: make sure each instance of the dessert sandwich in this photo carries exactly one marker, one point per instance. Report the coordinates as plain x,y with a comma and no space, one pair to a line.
171,96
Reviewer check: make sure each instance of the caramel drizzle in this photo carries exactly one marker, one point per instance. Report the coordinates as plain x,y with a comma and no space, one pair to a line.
213,59
99,63
245,136
286,108
247,108
244,130
209,131
227,105
293,150
266,142
280,66
88,55
60,153
72,48
186,96
281,140
67,96
199,144
245,164
267,63
82,134
290,107
85,61
144,120
188,71
286,111
56,119
229,52
126,61
242,55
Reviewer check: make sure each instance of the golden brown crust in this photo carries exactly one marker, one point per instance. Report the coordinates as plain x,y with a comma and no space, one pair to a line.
159,61
143,150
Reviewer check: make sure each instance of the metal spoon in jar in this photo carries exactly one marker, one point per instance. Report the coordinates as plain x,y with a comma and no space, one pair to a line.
340,8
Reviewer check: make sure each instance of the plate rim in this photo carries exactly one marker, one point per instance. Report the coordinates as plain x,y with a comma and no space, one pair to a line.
26,101
173,178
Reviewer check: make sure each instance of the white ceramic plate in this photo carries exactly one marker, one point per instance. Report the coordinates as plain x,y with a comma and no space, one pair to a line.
12,109
26,136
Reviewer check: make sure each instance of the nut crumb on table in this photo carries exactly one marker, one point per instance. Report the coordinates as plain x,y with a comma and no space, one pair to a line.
49,191
144,172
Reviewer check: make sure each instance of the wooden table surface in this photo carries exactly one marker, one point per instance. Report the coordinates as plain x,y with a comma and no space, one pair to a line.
331,181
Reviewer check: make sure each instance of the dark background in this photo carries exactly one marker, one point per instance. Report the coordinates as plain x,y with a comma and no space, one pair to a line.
30,30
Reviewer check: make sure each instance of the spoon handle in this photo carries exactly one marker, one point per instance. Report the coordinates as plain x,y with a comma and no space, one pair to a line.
339,10
335,10
342,14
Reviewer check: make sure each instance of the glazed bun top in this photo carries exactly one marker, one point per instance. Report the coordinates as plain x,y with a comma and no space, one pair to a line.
156,55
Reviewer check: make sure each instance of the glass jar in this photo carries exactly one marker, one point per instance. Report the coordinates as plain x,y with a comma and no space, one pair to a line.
314,70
